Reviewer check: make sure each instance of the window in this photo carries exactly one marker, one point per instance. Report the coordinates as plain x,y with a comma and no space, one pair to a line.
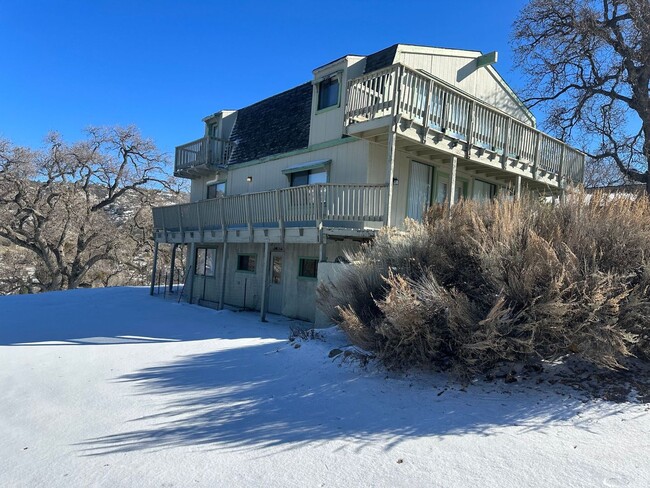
483,190
310,177
328,93
308,268
205,259
246,262
217,190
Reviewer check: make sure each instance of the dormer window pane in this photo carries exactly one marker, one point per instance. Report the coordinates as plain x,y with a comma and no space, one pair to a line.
328,93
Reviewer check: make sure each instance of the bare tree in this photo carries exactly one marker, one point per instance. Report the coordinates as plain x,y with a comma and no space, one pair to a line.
588,65
60,204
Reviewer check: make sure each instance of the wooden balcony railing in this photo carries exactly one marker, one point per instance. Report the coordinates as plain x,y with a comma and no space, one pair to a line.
436,105
310,204
206,152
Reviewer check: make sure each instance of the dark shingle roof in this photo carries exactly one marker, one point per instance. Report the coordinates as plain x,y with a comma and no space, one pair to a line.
276,125
381,59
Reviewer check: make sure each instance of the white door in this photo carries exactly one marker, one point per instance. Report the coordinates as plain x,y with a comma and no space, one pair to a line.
275,283
419,194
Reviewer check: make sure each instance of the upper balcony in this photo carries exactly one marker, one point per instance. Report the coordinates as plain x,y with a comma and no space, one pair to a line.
437,119
201,157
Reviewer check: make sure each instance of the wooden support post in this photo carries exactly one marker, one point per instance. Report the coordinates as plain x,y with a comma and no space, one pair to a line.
390,174
470,129
322,255
155,265
538,144
427,112
192,270
224,262
280,213
172,265
249,216
518,188
265,282
506,144
452,184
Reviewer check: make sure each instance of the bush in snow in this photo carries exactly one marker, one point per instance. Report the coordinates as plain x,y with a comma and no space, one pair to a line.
502,282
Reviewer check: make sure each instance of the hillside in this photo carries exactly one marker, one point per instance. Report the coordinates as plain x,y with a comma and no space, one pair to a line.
111,387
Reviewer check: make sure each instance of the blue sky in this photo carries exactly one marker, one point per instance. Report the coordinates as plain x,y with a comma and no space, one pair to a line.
164,65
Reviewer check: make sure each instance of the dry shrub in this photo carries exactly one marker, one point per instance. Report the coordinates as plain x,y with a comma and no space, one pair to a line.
501,282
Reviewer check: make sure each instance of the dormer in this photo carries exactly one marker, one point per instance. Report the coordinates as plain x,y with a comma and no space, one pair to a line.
328,97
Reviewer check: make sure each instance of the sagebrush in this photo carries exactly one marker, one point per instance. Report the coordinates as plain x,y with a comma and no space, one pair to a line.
502,282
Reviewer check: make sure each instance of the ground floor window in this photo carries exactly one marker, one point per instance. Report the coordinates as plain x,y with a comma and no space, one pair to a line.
309,177
483,190
217,190
308,268
205,259
246,262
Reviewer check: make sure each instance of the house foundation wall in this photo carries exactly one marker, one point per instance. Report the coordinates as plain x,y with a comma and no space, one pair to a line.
243,289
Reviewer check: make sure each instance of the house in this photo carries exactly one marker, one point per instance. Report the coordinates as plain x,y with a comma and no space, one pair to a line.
282,188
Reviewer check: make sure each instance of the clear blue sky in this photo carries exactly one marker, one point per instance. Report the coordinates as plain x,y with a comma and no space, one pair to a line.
164,65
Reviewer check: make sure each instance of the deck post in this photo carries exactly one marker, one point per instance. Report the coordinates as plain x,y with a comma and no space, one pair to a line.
172,265
192,269
452,184
518,188
155,265
390,174
224,262
392,135
265,283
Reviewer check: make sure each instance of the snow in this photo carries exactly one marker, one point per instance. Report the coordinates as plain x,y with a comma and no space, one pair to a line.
111,387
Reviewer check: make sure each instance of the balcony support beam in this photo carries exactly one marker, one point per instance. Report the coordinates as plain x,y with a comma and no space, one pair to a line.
155,265
390,171
172,265
224,262
265,283
452,184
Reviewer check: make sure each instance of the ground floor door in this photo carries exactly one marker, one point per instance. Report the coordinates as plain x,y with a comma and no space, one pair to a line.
419,191
276,282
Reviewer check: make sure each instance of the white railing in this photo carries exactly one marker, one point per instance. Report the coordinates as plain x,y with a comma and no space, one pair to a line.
207,151
309,204
434,104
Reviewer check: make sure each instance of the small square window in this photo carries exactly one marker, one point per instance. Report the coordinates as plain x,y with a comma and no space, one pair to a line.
246,262
217,190
328,93
308,268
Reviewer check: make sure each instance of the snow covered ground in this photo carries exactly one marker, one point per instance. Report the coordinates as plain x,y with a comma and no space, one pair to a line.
111,387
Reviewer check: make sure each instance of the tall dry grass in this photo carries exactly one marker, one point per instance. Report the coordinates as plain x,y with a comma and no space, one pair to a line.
503,281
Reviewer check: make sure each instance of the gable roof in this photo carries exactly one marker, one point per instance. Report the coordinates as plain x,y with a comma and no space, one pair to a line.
275,125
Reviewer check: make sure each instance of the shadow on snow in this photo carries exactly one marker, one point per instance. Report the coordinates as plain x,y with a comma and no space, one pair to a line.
252,398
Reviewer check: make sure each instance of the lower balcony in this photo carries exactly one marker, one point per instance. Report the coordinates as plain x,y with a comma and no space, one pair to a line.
297,214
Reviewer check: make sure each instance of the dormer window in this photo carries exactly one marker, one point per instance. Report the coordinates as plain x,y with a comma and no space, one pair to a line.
328,92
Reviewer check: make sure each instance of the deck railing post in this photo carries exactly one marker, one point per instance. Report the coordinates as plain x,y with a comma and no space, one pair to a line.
180,223
470,129
538,143
506,144
249,216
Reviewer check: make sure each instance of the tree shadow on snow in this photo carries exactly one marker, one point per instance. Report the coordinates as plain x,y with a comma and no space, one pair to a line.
273,395
103,316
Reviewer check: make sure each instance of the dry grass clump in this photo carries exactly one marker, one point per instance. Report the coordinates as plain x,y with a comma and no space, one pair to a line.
503,282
